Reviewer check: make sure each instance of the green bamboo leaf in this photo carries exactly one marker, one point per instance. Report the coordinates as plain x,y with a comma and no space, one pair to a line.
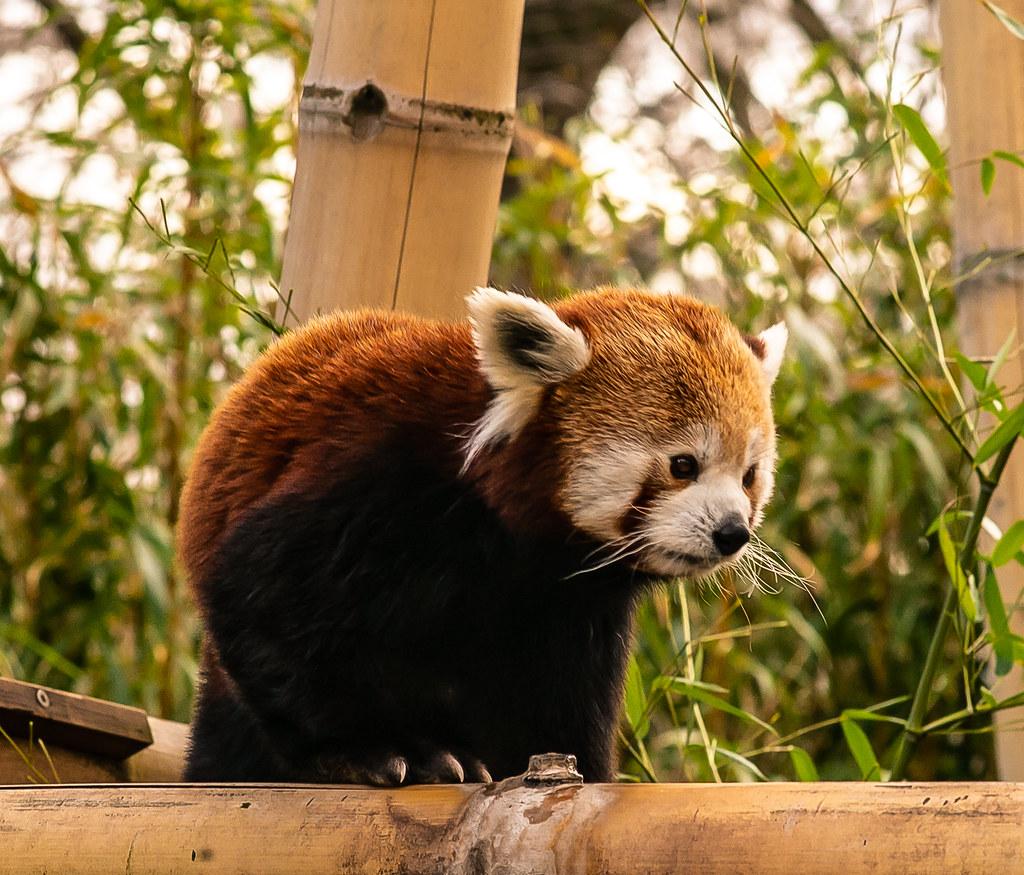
966,593
1002,647
1014,701
803,764
636,700
698,692
1008,21
1000,357
1012,157
945,518
999,634
860,747
920,136
988,174
872,716
1006,550
974,371
1004,433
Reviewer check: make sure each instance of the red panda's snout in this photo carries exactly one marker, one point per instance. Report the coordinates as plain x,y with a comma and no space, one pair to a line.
668,442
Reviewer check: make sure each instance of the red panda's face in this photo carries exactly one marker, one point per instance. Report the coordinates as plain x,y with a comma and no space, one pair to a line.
679,506
662,411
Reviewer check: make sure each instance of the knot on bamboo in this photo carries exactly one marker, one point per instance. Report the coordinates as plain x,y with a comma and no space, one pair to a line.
367,112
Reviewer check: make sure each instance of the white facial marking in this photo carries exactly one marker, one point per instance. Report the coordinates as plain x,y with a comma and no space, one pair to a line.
674,530
600,490
761,454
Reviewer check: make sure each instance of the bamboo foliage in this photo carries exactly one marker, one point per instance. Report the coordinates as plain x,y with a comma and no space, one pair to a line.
980,58
405,123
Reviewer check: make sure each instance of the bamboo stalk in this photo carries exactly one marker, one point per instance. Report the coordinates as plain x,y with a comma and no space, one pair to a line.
405,123
980,57
607,828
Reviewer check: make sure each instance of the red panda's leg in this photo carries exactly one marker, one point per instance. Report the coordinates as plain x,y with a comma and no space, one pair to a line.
317,603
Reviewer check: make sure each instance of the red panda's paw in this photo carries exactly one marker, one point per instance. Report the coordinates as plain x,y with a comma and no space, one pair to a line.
389,769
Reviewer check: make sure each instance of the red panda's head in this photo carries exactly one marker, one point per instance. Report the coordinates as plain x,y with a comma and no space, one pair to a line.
661,411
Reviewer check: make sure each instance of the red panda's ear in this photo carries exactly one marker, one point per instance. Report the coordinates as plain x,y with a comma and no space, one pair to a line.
522,346
770,346
521,341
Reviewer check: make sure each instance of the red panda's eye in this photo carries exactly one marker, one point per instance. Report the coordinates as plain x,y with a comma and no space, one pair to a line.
748,478
683,467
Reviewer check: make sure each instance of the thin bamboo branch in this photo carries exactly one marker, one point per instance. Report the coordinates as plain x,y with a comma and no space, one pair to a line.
804,229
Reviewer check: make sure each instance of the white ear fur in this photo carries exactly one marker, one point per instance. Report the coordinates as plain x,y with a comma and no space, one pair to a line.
522,346
774,340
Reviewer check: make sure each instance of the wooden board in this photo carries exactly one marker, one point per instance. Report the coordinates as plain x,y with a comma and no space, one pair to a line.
69,720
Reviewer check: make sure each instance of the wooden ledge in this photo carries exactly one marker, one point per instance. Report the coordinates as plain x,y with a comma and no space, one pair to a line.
70,720
606,828
87,740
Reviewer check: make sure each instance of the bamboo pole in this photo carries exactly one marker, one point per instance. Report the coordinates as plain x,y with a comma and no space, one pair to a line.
405,123
982,65
606,828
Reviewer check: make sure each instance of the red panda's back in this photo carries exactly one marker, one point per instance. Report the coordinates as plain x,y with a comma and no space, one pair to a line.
326,388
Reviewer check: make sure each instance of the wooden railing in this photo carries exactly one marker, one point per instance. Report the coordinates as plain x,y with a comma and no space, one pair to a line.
546,821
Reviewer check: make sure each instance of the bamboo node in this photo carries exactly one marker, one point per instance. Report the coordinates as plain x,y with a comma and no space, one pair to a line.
366,109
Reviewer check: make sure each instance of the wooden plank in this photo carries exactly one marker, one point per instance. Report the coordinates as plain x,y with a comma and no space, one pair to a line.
68,720
161,761
30,765
606,828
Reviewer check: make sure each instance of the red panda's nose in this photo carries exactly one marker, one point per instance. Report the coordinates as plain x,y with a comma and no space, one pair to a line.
730,537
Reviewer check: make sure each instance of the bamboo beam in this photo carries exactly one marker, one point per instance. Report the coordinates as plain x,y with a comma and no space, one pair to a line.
606,828
982,64
405,123
164,759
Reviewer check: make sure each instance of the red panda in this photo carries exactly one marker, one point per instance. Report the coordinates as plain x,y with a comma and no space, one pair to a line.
417,546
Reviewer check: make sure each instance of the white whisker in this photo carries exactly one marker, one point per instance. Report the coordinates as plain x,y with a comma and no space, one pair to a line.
622,548
762,559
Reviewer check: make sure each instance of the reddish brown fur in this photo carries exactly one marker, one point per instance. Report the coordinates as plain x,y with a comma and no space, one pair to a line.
381,398
321,395
647,354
